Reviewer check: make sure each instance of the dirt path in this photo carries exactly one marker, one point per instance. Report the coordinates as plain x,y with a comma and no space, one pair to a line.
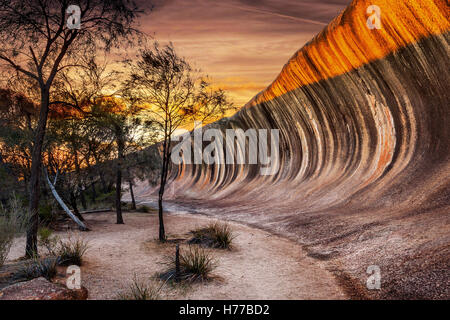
261,266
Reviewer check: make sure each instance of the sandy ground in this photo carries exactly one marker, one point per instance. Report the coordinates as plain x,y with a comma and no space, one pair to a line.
261,265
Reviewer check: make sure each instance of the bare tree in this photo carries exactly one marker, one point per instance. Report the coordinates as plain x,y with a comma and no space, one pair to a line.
176,95
39,39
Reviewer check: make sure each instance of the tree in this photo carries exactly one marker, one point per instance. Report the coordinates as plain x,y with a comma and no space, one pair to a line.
63,142
176,95
38,42
129,132
81,90
17,118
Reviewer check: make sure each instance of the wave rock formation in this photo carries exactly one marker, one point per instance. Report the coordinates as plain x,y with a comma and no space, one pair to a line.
364,120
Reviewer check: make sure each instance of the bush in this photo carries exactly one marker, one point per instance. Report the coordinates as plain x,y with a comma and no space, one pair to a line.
38,268
47,240
214,236
45,213
13,221
71,252
103,200
196,264
107,197
144,209
140,290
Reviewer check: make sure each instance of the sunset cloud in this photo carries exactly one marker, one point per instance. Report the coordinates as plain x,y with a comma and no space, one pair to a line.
242,44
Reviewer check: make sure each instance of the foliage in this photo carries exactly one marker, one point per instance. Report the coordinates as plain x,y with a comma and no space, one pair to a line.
141,290
46,213
196,264
215,235
51,47
67,252
13,220
17,118
71,251
47,240
144,209
36,268
175,96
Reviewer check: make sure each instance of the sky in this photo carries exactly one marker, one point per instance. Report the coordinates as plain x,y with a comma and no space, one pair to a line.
241,44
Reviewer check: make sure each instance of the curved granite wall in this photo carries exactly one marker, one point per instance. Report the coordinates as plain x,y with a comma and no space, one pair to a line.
364,118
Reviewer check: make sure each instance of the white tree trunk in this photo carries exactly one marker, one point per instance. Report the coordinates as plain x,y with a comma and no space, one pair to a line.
63,205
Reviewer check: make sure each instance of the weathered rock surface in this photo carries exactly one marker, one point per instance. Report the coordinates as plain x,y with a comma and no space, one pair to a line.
41,289
364,162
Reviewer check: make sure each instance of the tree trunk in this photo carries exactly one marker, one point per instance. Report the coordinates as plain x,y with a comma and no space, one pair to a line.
100,173
177,263
73,203
119,196
65,208
36,159
102,180
91,177
94,192
120,146
162,232
78,172
83,198
133,201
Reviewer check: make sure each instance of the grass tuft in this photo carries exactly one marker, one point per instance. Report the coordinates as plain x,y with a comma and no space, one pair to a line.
13,221
215,235
140,290
196,264
37,268
48,240
144,209
71,252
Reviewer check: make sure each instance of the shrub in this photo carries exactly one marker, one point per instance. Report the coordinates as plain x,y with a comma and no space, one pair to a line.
13,221
140,290
144,209
107,197
47,240
38,268
103,200
214,236
196,264
71,252
45,213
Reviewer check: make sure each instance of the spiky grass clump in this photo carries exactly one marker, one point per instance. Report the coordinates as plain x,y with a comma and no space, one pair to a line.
141,290
196,264
37,268
215,235
48,240
71,251
144,209
13,221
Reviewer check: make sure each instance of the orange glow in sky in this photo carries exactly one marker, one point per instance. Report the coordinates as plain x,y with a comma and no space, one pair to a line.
241,45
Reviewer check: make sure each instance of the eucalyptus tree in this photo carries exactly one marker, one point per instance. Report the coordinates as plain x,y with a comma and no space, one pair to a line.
177,95
129,131
17,117
42,37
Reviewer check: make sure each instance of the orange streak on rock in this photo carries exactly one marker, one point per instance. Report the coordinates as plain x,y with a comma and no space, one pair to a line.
347,42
